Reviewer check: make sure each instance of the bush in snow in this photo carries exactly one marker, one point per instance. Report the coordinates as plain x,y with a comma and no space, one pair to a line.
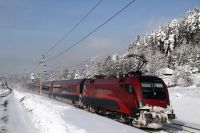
182,76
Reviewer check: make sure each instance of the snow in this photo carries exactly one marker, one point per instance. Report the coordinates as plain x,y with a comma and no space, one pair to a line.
166,71
4,91
173,23
18,119
13,116
186,102
50,116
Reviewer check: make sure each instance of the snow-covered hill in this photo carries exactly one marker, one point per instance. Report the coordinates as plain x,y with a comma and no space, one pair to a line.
175,45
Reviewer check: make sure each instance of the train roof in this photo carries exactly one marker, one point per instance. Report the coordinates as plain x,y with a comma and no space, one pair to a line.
74,81
105,80
149,79
144,78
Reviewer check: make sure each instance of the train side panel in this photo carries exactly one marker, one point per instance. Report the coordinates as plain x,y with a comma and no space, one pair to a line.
110,94
69,89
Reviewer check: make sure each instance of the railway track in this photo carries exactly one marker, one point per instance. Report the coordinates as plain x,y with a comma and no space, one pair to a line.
175,128
182,128
4,94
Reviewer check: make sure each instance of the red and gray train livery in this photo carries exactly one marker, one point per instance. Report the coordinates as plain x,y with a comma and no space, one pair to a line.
142,101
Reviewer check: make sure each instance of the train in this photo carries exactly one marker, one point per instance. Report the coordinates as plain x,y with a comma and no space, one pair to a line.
140,101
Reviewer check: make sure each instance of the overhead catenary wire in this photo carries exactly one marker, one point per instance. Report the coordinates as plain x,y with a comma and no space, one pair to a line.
90,33
73,28
81,65
53,68
35,65
75,65
83,62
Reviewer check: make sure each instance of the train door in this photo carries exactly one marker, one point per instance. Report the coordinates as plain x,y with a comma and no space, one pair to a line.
129,96
88,92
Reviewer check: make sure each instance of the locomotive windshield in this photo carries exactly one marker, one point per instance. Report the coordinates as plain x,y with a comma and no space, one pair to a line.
152,88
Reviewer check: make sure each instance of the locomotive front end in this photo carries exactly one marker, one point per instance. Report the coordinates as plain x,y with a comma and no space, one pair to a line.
153,104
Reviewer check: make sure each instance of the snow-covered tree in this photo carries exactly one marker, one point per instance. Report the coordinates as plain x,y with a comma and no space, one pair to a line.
174,45
65,73
182,76
177,42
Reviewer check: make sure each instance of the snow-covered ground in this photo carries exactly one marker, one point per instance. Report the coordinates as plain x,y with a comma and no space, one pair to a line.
19,120
50,116
13,117
186,102
4,92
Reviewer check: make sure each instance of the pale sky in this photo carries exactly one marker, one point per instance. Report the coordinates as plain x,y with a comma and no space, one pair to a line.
28,28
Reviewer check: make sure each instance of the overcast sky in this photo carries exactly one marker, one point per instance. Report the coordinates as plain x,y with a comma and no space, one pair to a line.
29,27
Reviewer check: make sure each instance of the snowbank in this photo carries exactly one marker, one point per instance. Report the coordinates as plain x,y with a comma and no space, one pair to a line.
4,92
50,116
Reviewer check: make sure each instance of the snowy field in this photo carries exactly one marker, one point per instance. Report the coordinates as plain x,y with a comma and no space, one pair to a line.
186,102
50,116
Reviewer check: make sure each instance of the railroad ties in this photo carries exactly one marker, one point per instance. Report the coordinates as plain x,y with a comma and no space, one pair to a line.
175,128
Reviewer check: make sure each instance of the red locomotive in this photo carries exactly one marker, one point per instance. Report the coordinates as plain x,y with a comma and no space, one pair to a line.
141,101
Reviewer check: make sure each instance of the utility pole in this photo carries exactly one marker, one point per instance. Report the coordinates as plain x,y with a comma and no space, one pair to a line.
41,74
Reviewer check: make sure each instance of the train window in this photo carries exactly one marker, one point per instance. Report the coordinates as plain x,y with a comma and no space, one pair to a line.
158,85
146,85
152,90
